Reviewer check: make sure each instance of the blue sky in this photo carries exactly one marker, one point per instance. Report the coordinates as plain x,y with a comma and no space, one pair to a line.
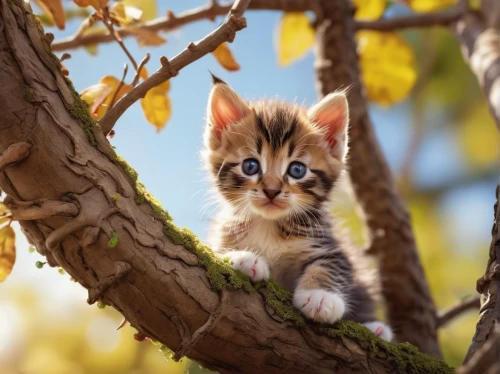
169,163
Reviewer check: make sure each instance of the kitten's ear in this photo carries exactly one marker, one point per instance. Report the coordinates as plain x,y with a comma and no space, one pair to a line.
224,107
332,114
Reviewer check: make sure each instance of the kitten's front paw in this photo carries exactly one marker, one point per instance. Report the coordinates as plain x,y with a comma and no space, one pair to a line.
256,267
380,329
319,305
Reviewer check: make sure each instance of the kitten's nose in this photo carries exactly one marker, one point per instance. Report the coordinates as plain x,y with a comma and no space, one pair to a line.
271,194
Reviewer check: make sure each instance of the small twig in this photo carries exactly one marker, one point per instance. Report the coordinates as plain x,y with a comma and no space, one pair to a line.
32,210
172,22
111,28
443,18
139,69
15,153
64,57
463,306
225,32
120,85
187,345
85,25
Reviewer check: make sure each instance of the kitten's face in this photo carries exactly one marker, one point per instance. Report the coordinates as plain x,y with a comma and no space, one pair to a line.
271,159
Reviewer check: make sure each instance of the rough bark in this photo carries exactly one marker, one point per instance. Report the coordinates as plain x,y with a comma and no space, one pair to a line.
410,308
75,193
481,48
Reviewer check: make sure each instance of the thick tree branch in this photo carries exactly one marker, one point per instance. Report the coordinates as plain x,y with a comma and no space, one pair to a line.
473,302
443,18
481,48
486,360
164,282
224,33
410,309
172,22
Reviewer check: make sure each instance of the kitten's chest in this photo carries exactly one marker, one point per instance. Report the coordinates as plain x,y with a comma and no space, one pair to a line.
285,255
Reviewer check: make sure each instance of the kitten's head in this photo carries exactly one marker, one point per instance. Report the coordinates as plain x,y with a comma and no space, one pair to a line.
273,159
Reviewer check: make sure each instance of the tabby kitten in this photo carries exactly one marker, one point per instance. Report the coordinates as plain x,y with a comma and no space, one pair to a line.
275,166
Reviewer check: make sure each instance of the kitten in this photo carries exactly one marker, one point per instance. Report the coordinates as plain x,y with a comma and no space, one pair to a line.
275,166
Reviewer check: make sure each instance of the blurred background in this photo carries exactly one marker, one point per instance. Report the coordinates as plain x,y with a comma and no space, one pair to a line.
440,142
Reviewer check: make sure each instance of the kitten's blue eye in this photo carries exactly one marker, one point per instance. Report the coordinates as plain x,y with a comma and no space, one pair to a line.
297,170
250,166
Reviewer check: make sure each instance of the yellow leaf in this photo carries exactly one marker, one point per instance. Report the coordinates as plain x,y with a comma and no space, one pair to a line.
156,105
126,14
4,210
91,49
369,9
95,96
478,135
224,56
147,38
96,4
295,37
54,9
7,251
99,96
387,64
148,8
429,5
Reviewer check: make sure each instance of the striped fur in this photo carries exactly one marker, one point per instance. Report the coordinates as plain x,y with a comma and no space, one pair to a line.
296,236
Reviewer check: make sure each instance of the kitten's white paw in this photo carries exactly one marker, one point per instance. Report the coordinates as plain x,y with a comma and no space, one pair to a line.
380,329
319,305
255,266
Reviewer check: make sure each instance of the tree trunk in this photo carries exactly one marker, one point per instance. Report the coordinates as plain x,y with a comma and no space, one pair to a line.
74,193
481,48
410,309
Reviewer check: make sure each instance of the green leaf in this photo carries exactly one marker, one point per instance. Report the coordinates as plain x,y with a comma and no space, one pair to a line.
113,241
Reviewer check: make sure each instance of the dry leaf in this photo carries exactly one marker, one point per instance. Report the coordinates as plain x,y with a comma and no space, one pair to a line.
387,64
295,37
147,38
96,4
7,251
224,56
156,105
429,5
144,74
55,10
369,9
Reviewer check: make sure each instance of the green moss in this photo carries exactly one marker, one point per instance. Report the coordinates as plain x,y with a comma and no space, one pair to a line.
280,300
405,357
79,111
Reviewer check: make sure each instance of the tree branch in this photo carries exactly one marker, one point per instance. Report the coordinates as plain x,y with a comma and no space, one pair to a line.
473,302
161,278
224,33
481,49
410,309
172,22
486,360
443,18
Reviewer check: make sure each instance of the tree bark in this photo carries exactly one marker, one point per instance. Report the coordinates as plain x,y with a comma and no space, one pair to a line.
74,193
481,48
410,308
